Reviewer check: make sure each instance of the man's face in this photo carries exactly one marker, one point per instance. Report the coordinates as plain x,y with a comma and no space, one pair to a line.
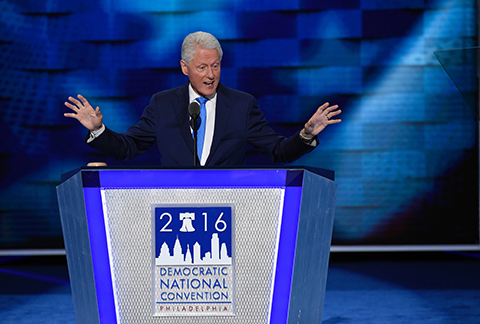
203,71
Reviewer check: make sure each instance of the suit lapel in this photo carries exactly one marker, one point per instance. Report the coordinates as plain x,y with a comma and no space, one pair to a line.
180,105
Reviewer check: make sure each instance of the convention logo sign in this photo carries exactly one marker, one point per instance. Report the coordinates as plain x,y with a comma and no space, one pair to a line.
193,260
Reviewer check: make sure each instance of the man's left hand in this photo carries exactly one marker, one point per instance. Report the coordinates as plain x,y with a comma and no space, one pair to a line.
323,117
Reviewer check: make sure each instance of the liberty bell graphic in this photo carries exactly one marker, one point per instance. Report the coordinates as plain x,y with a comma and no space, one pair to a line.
187,225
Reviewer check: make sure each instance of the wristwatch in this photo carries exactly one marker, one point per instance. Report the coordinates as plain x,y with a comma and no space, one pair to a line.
309,141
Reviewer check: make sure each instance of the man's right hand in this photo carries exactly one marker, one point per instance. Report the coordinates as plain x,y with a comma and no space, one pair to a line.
84,113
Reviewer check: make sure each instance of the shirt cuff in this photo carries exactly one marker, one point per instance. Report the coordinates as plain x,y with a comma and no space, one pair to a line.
95,134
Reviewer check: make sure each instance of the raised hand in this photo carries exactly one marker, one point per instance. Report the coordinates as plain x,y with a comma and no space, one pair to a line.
321,119
84,113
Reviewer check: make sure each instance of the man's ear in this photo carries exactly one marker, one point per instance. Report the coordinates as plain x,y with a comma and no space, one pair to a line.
184,67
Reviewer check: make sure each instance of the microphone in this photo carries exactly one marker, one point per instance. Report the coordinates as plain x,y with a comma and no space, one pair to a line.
194,112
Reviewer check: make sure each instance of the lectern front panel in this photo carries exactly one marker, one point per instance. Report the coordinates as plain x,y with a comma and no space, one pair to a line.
137,280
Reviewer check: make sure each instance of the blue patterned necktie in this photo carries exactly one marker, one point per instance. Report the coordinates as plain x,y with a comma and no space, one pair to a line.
201,128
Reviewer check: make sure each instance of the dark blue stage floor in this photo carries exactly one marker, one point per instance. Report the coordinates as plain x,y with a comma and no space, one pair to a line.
415,288
420,288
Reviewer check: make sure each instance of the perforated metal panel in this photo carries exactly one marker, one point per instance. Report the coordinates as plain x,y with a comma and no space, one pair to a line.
128,223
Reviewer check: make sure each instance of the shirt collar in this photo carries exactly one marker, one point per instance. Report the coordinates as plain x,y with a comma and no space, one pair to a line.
192,95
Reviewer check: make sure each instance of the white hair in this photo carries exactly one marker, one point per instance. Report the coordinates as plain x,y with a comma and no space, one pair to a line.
199,40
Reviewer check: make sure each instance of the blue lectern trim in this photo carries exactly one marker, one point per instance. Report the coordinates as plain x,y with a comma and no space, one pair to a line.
192,178
286,255
99,251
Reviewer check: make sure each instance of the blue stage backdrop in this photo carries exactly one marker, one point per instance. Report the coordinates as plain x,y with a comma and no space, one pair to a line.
405,155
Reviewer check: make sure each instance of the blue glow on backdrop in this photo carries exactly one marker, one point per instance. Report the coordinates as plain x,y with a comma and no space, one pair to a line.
405,155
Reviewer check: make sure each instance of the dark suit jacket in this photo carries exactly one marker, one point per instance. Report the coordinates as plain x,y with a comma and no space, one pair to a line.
165,121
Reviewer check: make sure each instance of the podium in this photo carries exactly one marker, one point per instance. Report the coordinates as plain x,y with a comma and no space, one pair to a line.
198,245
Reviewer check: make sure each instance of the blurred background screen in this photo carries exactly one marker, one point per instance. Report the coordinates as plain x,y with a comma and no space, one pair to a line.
405,154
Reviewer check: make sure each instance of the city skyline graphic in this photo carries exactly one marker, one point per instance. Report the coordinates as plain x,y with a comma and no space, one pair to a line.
218,254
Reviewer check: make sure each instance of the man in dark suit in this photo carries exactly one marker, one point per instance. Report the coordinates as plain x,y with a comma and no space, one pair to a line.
232,119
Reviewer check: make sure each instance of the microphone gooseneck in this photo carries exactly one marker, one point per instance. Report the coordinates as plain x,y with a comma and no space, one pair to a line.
194,112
